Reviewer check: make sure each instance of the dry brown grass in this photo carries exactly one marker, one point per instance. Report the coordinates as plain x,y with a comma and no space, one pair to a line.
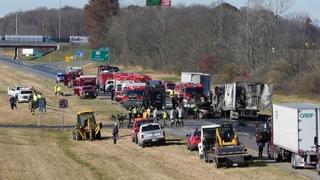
47,154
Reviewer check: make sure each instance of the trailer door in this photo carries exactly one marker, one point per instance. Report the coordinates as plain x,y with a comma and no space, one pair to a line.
307,129
266,97
229,96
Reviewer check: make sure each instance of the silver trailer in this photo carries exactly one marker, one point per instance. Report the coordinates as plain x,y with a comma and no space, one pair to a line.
242,98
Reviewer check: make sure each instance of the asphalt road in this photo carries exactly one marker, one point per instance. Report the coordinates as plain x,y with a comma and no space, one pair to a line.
245,129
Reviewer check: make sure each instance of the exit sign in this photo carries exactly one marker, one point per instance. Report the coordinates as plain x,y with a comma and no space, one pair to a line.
153,2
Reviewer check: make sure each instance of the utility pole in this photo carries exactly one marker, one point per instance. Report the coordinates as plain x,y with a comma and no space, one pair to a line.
60,20
16,22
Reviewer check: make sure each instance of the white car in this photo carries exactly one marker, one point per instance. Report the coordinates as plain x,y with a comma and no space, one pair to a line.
151,133
59,77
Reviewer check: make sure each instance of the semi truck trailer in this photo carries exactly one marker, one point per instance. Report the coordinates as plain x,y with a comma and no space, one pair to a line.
292,134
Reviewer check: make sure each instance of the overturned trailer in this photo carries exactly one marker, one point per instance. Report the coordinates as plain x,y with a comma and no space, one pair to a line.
242,99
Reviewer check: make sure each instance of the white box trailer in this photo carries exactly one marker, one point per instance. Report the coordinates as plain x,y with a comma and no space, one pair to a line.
295,131
197,77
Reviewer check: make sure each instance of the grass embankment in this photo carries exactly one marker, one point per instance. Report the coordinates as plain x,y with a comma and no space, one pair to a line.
48,154
66,50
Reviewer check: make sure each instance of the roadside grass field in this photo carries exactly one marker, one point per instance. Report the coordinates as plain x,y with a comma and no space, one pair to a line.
52,154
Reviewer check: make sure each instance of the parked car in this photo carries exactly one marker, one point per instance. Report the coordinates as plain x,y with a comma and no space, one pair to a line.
194,138
59,77
151,133
137,122
25,95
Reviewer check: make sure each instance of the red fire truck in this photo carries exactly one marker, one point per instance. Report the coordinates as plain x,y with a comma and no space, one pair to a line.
132,95
189,93
71,74
85,86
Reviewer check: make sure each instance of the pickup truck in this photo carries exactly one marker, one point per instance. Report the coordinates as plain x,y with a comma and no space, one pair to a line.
151,133
14,91
22,93
137,122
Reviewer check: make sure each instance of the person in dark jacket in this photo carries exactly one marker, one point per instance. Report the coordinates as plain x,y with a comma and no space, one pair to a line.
13,102
115,133
112,93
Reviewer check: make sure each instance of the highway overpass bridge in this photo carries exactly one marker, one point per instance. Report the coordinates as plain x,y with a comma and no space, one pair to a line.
49,47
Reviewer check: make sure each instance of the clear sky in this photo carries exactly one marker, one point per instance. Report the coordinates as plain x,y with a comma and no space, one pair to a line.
310,7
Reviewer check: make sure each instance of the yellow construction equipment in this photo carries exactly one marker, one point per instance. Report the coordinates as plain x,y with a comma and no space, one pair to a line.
86,127
226,136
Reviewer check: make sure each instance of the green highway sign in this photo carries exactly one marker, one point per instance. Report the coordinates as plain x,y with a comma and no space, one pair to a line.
153,2
101,54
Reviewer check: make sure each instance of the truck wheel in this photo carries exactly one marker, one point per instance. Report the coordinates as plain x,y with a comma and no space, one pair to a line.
205,157
293,162
216,163
98,136
143,144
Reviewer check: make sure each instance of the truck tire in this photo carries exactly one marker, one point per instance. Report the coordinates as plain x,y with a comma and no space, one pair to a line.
205,158
216,163
98,135
293,162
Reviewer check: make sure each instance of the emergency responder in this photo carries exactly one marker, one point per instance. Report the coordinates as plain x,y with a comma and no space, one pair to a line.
55,90
165,117
171,92
145,114
41,102
180,116
34,102
115,133
172,117
59,92
135,112
149,111
155,113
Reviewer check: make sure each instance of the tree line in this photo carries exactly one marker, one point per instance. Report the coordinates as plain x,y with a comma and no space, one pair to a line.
43,21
